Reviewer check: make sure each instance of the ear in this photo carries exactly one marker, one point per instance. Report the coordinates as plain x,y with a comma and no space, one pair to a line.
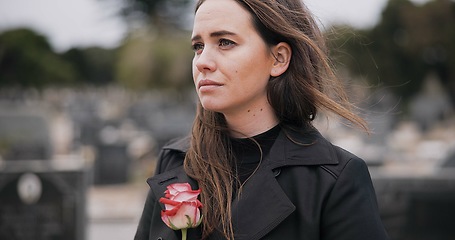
282,53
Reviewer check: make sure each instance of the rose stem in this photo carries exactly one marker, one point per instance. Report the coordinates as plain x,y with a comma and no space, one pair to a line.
184,233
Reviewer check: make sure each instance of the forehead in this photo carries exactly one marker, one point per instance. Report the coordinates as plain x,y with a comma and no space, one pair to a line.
221,15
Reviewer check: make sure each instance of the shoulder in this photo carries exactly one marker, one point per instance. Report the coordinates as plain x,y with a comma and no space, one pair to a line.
172,154
169,167
346,161
343,161
309,148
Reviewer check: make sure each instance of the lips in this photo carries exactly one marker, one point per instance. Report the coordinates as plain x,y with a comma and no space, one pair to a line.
208,83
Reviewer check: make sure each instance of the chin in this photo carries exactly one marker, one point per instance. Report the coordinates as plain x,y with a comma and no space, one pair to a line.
210,106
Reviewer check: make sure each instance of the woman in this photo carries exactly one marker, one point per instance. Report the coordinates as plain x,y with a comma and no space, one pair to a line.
261,74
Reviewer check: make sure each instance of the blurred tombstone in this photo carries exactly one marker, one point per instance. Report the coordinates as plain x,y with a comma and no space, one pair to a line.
24,135
417,207
43,200
112,162
82,110
170,122
449,162
432,104
111,165
431,216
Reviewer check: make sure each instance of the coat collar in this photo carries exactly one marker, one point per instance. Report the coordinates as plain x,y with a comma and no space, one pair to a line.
292,147
262,204
304,147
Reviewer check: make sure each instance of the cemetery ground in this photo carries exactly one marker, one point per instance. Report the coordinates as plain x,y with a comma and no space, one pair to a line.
113,211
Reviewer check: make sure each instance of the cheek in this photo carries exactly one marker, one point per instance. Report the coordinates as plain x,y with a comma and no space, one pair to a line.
195,73
253,73
257,67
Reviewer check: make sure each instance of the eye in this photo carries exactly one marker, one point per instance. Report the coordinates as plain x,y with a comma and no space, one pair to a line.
197,47
226,44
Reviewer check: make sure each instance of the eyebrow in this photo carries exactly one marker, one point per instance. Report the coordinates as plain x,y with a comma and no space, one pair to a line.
214,34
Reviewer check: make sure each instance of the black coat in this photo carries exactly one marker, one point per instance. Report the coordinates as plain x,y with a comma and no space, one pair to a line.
305,189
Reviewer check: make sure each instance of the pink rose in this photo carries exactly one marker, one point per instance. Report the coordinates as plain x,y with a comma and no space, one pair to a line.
182,207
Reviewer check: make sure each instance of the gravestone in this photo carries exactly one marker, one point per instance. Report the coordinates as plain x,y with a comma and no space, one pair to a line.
417,207
24,135
42,200
112,164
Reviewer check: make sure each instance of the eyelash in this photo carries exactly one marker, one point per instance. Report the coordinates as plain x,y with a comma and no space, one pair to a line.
197,47
223,43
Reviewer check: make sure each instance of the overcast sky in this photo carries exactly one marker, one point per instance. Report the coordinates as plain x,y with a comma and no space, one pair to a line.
79,23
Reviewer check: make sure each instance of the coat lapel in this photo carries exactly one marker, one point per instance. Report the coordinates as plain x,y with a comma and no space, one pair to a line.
159,183
261,206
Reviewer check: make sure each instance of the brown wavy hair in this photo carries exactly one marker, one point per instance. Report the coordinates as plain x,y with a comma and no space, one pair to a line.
307,86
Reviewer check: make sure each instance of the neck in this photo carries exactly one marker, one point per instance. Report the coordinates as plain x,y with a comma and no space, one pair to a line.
252,121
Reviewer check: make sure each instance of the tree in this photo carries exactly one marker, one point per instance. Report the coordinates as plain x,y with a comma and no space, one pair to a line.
27,60
155,62
160,14
156,55
410,42
94,65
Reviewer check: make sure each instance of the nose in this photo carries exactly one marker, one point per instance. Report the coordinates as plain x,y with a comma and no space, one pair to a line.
205,62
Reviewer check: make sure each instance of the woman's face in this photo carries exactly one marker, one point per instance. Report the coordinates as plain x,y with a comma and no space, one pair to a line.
232,64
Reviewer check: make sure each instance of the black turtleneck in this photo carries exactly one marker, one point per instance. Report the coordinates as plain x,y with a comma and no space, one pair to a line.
248,154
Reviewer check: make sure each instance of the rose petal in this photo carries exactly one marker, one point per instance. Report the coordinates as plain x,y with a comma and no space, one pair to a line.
169,204
165,219
178,187
171,212
186,196
181,186
168,222
186,215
